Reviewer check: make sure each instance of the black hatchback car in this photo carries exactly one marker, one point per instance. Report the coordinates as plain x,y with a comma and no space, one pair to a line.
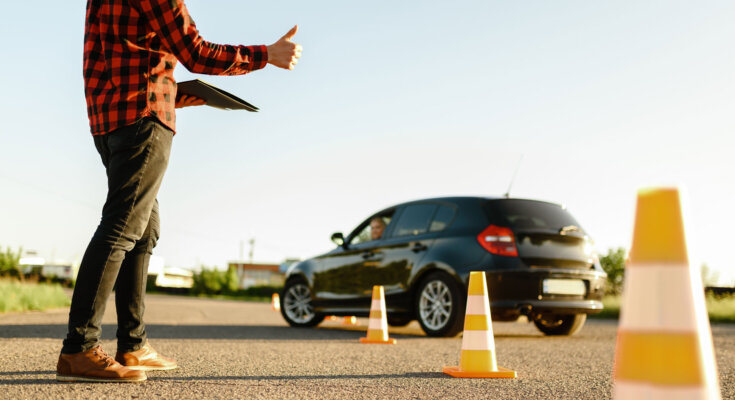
537,259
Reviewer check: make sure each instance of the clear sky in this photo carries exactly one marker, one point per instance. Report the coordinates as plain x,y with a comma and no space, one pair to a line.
392,101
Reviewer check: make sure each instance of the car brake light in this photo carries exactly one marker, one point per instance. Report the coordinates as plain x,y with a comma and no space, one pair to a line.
498,240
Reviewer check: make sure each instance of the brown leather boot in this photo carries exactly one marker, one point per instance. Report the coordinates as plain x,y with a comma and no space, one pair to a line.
94,366
146,359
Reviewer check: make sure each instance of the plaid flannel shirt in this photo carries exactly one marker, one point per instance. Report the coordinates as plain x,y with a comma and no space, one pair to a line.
130,51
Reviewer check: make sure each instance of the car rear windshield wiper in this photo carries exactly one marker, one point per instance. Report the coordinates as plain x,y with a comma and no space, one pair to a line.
569,228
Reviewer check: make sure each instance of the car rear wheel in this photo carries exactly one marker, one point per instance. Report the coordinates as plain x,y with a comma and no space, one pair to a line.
440,305
559,324
296,306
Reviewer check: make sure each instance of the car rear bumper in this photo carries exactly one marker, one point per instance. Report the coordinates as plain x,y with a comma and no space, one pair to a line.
521,292
510,310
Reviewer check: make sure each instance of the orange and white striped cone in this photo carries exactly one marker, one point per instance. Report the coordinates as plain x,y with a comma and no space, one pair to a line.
351,320
331,318
275,302
378,324
477,358
664,344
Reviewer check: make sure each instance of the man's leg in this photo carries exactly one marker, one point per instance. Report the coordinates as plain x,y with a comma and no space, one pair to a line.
130,288
136,158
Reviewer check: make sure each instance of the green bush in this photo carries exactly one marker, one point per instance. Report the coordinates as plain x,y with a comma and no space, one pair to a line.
215,282
10,263
17,296
614,265
230,283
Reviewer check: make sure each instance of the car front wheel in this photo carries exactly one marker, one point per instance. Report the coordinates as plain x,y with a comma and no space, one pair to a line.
440,305
559,324
296,305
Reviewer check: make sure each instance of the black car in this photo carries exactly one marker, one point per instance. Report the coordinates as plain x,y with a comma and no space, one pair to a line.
537,259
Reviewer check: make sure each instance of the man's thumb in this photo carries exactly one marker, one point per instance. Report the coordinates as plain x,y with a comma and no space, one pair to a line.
291,33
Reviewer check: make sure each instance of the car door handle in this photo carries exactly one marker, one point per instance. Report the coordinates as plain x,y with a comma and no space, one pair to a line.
418,247
367,254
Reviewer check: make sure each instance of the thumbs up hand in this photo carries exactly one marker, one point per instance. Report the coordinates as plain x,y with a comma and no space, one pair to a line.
284,53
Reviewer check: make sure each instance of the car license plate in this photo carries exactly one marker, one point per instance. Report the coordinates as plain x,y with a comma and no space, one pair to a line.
565,286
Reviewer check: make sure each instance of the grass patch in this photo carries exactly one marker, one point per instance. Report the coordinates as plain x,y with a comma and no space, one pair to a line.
17,296
234,297
719,308
254,293
610,308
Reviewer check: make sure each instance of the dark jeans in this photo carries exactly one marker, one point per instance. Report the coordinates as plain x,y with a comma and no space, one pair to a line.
135,157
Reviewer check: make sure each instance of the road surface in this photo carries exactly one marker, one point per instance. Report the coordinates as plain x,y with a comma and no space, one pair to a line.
230,349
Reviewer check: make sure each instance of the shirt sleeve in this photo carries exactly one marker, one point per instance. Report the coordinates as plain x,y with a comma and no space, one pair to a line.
171,21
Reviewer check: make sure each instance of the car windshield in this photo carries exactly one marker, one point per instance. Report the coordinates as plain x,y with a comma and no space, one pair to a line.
530,214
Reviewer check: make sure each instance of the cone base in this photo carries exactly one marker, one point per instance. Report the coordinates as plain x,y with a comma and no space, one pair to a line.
500,373
389,341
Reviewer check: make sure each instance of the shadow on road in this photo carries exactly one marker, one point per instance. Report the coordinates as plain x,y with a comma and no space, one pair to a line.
158,331
46,381
300,377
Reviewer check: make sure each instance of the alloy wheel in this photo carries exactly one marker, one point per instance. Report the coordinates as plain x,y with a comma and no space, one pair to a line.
435,305
297,304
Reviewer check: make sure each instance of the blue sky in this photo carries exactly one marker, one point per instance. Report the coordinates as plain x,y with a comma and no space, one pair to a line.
392,101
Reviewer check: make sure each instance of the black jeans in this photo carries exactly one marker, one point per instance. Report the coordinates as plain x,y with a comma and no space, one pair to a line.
135,157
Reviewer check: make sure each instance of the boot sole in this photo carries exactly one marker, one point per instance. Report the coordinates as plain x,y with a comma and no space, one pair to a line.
73,378
146,368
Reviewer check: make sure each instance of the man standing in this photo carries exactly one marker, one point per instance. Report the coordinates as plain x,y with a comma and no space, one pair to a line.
130,50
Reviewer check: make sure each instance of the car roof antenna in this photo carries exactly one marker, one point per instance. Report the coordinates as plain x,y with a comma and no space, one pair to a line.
510,185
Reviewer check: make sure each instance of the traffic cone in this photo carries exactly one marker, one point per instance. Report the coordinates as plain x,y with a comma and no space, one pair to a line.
275,302
351,320
331,318
664,344
378,324
477,358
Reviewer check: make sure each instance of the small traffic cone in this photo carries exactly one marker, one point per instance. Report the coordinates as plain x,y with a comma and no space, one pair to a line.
477,358
378,324
275,302
351,320
664,344
331,318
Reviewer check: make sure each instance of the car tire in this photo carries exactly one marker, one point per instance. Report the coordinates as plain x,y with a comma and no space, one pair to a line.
296,305
439,305
559,324
399,320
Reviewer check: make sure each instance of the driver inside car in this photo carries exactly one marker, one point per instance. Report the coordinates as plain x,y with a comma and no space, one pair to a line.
377,226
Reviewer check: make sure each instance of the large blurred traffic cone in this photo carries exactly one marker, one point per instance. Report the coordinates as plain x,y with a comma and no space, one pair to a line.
477,358
378,324
664,344
275,302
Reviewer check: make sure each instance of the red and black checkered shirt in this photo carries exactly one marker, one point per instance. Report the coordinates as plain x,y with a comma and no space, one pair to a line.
130,51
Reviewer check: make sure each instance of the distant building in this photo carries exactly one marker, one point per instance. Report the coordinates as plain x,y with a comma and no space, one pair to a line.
31,265
164,277
257,274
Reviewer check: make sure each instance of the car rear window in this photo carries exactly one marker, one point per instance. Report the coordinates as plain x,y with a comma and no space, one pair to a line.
415,219
529,214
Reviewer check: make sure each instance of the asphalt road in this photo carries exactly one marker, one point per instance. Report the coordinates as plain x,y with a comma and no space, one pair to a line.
229,349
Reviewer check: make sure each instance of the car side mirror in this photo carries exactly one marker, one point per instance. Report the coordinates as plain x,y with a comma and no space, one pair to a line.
338,238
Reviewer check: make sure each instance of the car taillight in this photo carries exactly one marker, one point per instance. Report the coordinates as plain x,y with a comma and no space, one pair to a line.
498,240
